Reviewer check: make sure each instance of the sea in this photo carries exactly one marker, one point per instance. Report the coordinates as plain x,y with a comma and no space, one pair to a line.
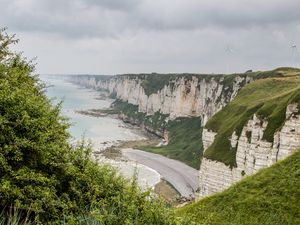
102,132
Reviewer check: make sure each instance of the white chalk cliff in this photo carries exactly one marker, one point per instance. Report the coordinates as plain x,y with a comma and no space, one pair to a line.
203,97
182,97
253,153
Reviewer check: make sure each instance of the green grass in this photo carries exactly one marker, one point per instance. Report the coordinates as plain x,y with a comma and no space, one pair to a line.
156,123
184,133
130,110
185,141
267,97
270,197
155,82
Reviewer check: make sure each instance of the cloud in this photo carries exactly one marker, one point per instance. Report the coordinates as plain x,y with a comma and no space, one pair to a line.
105,18
229,14
118,36
67,18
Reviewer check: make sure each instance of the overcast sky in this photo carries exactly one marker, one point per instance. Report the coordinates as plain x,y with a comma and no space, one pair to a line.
131,36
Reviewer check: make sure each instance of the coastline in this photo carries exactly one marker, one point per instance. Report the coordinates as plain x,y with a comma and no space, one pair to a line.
148,177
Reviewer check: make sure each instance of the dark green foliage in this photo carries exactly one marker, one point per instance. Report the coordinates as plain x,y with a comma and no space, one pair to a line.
155,82
185,143
270,197
41,172
156,122
130,111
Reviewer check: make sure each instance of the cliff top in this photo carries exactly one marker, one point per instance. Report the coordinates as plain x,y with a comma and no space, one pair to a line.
267,97
154,82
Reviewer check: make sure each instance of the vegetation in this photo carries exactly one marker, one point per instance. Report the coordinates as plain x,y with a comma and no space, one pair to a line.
42,175
232,118
167,191
155,123
155,82
152,83
268,98
185,143
46,180
270,197
130,111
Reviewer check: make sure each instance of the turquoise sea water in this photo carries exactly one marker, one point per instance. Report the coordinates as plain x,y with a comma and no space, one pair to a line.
102,131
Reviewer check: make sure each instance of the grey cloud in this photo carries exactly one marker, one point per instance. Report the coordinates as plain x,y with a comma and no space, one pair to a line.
67,18
115,5
227,14
123,36
111,18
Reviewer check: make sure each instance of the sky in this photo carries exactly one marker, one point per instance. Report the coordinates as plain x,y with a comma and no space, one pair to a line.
163,36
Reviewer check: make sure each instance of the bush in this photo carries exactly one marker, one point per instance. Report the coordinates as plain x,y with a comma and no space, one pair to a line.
43,175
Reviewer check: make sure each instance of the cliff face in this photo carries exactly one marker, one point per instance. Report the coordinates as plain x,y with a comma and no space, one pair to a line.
181,97
258,128
253,153
259,125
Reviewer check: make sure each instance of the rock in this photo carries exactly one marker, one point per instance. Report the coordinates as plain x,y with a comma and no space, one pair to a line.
197,96
208,138
253,153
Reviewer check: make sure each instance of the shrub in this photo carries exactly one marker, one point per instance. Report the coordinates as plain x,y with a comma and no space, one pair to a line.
43,174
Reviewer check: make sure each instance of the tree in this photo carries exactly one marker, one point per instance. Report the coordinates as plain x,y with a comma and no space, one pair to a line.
42,174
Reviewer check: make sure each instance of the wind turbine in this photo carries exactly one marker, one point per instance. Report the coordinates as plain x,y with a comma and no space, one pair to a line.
229,51
294,52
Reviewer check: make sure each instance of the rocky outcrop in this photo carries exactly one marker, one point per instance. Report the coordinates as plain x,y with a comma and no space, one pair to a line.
253,152
181,97
208,138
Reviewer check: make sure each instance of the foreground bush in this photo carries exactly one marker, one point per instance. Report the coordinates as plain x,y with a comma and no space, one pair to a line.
45,178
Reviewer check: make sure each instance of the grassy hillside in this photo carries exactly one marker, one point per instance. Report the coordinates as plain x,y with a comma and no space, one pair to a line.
185,141
267,97
270,197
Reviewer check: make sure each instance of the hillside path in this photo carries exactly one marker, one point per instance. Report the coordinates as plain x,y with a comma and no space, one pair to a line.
183,177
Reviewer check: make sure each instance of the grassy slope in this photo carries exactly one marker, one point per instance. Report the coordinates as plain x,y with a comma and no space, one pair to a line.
185,141
272,89
270,197
267,97
184,133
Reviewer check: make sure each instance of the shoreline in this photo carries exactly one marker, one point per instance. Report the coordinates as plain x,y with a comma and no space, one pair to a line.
113,154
